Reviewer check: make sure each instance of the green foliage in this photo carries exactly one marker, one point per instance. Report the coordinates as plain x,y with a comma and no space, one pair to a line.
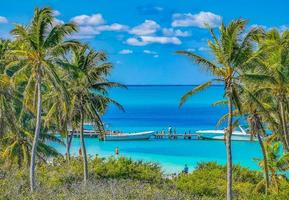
123,178
63,172
127,169
209,179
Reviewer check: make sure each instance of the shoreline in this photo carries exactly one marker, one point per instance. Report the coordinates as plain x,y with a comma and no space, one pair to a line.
167,153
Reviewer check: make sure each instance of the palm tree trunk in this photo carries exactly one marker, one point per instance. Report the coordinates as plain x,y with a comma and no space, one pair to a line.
266,169
1,122
67,148
229,150
83,151
284,124
68,143
36,133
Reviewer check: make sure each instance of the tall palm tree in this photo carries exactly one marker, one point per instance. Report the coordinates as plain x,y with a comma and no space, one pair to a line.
7,92
231,52
41,43
256,129
87,88
57,115
272,64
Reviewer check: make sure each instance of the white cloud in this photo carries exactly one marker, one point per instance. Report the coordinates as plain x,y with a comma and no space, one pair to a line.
203,49
95,19
56,13
125,51
85,32
149,52
177,33
161,40
283,28
89,31
112,27
57,22
135,42
191,49
199,20
3,20
258,26
153,53
144,40
148,27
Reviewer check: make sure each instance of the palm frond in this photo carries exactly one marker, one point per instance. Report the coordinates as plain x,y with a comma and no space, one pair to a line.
194,91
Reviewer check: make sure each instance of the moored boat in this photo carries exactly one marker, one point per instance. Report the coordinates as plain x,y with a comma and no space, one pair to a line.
129,136
241,135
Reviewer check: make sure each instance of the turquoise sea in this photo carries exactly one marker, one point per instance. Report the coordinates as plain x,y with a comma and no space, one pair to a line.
156,108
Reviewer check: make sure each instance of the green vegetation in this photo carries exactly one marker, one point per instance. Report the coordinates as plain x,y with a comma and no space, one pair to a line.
253,66
50,84
126,179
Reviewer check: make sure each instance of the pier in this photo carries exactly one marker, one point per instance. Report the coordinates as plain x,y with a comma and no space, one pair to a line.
86,133
174,135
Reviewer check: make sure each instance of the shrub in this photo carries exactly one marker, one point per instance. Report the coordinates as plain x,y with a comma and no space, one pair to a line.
124,178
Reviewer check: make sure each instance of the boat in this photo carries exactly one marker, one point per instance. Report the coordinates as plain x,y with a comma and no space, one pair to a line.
241,135
129,136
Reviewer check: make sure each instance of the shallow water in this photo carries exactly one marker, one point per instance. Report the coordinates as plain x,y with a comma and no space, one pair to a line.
156,108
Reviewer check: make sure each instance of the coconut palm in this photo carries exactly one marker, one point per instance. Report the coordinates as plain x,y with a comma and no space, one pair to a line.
57,116
7,92
18,146
278,162
272,64
87,70
231,51
39,45
4,48
257,129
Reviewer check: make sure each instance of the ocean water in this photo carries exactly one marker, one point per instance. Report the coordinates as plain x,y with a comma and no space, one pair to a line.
156,108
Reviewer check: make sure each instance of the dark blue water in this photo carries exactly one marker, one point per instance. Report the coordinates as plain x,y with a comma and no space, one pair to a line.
156,108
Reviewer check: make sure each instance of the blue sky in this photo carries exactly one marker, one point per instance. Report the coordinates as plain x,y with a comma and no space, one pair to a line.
141,36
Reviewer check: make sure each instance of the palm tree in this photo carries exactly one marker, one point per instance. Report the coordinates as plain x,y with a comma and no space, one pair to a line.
57,116
39,45
231,52
257,129
278,162
18,146
87,89
7,92
271,67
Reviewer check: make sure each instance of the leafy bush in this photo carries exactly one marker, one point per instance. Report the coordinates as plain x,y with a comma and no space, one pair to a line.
209,179
124,178
124,168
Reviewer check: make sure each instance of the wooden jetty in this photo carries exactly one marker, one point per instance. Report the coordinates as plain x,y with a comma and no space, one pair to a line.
86,133
174,135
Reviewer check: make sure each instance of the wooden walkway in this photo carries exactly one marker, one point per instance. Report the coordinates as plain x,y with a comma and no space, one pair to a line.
188,136
157,135
86,133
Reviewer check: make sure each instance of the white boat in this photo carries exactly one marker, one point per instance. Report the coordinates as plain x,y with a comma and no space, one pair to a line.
129,136
241,135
